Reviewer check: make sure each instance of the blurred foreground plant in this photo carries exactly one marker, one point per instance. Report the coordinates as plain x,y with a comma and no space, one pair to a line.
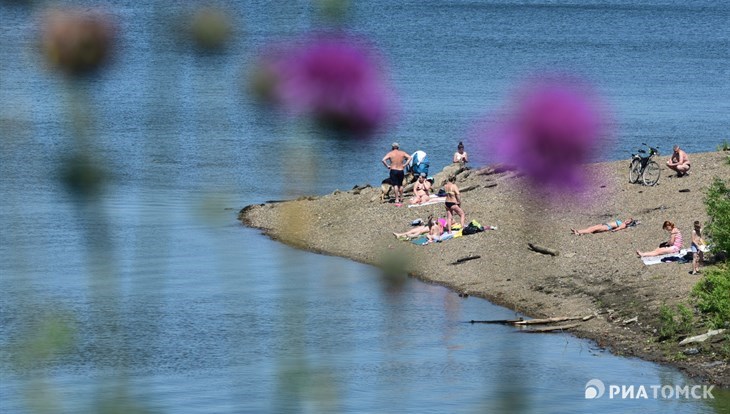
551,130
210,29
332,79
394,266
47,336
77,42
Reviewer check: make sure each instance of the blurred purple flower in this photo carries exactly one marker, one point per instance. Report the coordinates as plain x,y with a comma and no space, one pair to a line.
550,133
333,79
77,41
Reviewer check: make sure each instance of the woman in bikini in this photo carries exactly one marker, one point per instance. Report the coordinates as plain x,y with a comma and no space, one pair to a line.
674,245
615,225
421,190
453,203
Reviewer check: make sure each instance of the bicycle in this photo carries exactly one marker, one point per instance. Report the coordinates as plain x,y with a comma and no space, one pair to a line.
644,167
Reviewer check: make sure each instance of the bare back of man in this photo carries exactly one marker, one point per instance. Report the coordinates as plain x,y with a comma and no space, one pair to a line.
395,161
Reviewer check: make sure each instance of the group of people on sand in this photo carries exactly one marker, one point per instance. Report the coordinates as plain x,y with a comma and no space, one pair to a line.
396,161
434,229
675,242
678,162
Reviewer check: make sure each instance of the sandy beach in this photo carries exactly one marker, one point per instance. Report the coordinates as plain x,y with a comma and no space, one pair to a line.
595,274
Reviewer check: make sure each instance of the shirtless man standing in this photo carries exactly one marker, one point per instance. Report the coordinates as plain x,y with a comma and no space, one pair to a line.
398,159
679,161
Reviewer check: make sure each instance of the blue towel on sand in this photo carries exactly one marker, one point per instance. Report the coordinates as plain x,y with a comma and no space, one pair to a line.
420,240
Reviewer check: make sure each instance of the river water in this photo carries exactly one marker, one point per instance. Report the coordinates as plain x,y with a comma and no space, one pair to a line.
160,300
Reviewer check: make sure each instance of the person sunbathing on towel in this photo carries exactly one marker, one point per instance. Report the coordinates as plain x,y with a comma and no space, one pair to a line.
414,232
615,225
674,245
421,190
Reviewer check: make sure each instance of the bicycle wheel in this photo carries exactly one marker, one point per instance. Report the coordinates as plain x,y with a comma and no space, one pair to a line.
634,171
651,173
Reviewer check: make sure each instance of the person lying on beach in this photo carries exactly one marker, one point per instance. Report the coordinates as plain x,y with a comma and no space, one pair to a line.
414,232
615,225
674,245
421,190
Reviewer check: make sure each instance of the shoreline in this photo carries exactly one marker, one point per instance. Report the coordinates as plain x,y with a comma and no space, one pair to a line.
596,274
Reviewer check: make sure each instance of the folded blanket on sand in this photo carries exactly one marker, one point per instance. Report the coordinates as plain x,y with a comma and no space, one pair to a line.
652,260
433,200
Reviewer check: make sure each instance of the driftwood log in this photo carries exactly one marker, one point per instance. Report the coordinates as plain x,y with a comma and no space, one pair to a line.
552,320
543,250
499,321
550,328
702,338
545,321
469,188
465,259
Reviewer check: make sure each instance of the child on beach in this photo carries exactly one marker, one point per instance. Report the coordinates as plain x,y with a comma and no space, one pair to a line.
698,247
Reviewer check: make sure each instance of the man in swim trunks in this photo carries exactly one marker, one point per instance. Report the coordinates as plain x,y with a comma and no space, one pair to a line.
398,160
679,161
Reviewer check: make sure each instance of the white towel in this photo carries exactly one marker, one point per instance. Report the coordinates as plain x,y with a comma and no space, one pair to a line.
434,200
652,260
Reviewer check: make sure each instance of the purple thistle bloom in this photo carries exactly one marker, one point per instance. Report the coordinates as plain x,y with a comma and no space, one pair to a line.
332,79
552,131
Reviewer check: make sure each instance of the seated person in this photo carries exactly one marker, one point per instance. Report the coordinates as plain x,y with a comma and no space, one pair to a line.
615,225
460,156
435,231
679,161
421,190
674,245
